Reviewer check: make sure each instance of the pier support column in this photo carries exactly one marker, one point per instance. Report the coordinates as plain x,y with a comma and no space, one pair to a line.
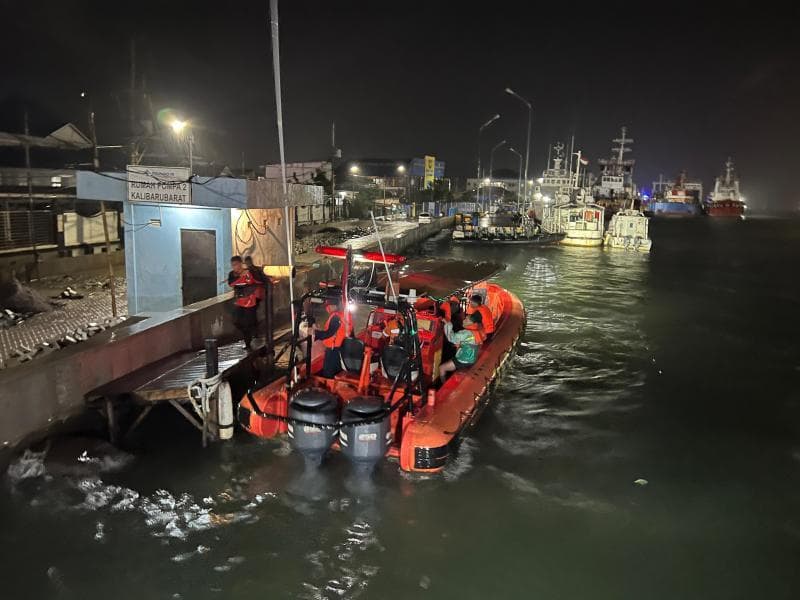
211,418
111,419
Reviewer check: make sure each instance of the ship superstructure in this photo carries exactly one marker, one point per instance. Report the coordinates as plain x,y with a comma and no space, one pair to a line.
615,189
726,199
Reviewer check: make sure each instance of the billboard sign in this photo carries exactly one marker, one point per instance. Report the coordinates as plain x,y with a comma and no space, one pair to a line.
159,185
430,169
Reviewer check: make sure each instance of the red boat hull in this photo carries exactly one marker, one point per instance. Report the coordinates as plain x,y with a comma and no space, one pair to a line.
725,209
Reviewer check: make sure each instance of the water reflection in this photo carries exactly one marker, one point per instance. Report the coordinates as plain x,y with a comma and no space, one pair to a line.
540,500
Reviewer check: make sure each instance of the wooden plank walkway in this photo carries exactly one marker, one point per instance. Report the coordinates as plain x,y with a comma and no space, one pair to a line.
169,379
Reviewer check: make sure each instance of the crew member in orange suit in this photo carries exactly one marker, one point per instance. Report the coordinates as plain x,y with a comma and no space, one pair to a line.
245,300
476,305
332,335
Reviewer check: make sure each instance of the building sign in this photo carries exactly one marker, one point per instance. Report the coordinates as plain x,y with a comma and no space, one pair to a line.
430,167
162,185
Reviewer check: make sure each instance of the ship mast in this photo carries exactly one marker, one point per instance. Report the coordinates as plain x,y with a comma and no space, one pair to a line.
621,150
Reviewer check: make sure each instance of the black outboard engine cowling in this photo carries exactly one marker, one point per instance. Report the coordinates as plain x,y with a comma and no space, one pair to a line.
365,444
315,406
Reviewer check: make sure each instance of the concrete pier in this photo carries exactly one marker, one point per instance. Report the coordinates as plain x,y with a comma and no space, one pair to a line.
37,395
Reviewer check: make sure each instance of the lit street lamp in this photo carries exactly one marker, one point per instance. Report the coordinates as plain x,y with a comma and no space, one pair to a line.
480,130
528,143
178,127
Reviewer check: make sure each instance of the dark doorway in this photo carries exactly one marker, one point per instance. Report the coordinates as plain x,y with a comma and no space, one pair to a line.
198,265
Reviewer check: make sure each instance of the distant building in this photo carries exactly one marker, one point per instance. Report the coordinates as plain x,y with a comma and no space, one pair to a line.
312,172
300,172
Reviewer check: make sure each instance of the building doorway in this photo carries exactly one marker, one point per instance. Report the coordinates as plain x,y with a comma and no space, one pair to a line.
198,264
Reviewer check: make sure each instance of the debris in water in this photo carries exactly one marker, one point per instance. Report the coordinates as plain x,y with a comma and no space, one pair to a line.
100,533
425,582
55,576
641,482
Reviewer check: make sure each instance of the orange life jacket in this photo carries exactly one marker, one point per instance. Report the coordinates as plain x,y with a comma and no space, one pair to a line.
447,310
244,287
335,341
477,332
486,318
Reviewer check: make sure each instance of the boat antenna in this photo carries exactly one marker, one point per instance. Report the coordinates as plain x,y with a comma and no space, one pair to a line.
383,255
276,70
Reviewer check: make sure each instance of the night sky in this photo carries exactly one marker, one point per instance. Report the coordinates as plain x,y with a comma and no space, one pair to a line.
403,79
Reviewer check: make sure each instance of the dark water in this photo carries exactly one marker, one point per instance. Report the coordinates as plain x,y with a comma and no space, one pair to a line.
681,368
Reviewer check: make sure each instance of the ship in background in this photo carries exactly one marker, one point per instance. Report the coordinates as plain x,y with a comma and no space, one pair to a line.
615,190
554,185
726,200
573,212
629,230
679,198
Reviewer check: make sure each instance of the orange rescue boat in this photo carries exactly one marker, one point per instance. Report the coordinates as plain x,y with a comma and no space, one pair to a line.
387,401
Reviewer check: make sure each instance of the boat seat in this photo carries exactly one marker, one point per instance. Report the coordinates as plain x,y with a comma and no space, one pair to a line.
392,360
352,355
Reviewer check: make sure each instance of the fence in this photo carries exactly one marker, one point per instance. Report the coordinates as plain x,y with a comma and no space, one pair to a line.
21,229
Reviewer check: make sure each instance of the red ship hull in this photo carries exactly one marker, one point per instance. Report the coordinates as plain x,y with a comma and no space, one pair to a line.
725,209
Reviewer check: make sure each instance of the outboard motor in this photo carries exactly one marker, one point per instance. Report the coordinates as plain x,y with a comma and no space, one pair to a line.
313,406
365,444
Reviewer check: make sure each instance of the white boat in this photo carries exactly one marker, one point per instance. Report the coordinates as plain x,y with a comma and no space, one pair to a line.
575,215
629,230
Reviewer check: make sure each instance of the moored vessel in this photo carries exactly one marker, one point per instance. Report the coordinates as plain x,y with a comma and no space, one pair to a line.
628,230
500,228
388,399
726,200
575,215
678,199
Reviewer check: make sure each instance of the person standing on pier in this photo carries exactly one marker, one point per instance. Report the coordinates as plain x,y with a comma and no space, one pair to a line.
258,277
245,300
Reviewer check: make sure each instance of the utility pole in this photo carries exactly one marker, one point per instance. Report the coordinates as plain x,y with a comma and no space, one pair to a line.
112,288
333,174
31,226
132,102
480,130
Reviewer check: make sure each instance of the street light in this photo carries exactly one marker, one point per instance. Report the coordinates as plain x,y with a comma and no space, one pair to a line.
528,143
480,130
519,176
178,126
491,163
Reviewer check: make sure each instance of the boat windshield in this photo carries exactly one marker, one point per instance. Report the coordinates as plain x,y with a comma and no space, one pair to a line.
439,278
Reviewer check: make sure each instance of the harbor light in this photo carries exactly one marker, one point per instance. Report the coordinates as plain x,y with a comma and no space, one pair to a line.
487,181
540,181
354,169
401,168
178,126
